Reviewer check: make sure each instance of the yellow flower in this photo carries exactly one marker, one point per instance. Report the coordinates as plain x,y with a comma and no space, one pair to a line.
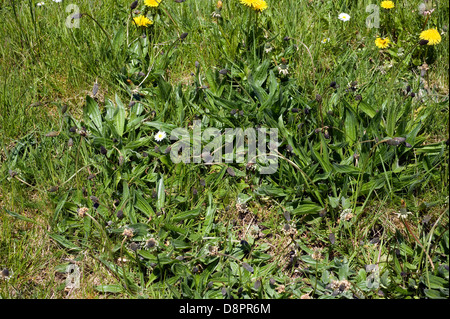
431,35
259,5
152,3
248,3
142,21
382,43
387,4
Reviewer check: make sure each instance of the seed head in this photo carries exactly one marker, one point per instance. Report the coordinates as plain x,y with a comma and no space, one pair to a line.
82,211
134,246
151,243
128,233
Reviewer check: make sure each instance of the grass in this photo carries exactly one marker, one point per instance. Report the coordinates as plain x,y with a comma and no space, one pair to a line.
324,225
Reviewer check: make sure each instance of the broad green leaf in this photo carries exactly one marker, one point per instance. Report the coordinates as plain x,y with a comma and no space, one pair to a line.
64,242
110,288
21,217
92,113
119,117
186,215
161,194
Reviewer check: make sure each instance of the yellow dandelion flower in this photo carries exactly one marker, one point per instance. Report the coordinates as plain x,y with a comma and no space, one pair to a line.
248,3
152,3
431,35
387,4
259,5
382,43
142,21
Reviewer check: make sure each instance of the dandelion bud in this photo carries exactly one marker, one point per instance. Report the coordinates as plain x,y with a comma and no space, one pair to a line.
358,98
223,71
103,150
197,64
132,103
294,110
318,98
183,35
333,84
307,111
233,111
134,5
73,129
64,109
413,94
408,89
286,38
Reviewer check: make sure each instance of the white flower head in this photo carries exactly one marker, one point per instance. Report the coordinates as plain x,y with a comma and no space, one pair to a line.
160,136
283,69
57,1
346,214
344,17
403,214
325,40
39,4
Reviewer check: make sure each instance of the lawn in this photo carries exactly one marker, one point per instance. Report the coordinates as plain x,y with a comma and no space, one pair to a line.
242,149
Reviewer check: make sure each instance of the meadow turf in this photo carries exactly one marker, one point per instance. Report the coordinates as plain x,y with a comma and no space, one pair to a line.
358,205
